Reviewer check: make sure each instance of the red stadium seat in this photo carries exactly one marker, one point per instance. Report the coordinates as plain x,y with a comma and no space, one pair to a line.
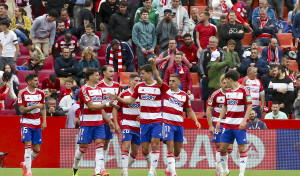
197,105
102,61
186,8
285,39
246,41
23,50
196,91
195,79
293,65
8,102
8,112
102,51
200,8
199,115
21,75
22,85
124,78
48,63
116,77
200,3
22,60
43,74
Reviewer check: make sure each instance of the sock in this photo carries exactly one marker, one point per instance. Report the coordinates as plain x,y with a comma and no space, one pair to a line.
131,160
154,160
224,161
171,162
104,156
218,157
78,155
147,158
99,159
27,158
176,158
125,160
34,154
243,162
229,151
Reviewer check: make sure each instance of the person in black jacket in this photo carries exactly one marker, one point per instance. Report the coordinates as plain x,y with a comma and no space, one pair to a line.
65,66
107,8
265,80
55,4
232,30
121,24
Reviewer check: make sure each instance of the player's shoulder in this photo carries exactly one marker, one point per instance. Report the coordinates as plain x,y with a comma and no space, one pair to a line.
125,92
39,91
244,89
140,84
116,84
23,91
216,93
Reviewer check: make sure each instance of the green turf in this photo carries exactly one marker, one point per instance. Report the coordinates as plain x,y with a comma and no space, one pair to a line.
142,172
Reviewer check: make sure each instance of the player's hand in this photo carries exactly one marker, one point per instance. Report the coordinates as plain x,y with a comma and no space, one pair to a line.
117,128
212,130
189,92
151,50
198,125
112,96
152,61
44,125
112,126
218,127
7,84
144,51
41,106
112,104
242,126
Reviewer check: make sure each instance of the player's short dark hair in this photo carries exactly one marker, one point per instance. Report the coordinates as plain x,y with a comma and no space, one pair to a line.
206,13
64,9
275,103
5,6
5,22
53,13
254,41
144,11
231,42
208,9
88,3
89,72
59,21
27,42
254,49
114,43
175,76
281,68
90,25
273,66
123,3
285,57
30,77
132,76
52,77
232,11
223,17
7,76
147,68
187,35
232,74
104,69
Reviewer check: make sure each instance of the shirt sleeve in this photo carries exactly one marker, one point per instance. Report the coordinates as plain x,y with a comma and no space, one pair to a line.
15,38
121,96
247,96
43,98
135,94
21,98
187,103
164,88
83,96
211,100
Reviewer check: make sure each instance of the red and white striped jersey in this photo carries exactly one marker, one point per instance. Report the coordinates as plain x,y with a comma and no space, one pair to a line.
150,101
256,89
130,113
236,101
87,116
174,102
31,119
217,100
113,89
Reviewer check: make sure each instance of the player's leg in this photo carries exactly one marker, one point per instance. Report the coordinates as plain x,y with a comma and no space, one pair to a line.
145,141
216,139
241,139
227,138
135,145
108,137
156,135
229,150
126,142
99,138
168,138
35,151
27,140
36,143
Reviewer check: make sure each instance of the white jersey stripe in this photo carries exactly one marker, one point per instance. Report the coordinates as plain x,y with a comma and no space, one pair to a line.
172,117
149,116
235,108
233,121
93,118
150,103
167,103
131,123
131,111
31,121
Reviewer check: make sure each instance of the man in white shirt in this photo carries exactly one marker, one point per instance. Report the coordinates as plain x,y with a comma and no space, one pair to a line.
9,48
67,101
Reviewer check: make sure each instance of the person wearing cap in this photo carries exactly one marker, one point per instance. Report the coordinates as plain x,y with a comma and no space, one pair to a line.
254,123
215,71
67,101
67,40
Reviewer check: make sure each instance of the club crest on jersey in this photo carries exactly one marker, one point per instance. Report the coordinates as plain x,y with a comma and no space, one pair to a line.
232,102
175,101
148,97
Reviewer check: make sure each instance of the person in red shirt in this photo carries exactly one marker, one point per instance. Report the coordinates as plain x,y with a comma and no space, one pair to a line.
68,90
190,51
53,83
204,31
241,13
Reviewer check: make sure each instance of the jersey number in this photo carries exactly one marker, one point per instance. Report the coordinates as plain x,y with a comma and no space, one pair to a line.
25,130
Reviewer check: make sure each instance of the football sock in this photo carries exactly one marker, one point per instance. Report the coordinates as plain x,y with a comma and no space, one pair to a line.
27,158
78,155
218,157
154,160
99,159
147,158
224,161
34,154
229,151
104,156
171,162
125,160
131,160
243,162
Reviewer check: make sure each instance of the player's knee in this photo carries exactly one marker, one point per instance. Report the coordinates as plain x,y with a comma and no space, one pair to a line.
145,152
134,153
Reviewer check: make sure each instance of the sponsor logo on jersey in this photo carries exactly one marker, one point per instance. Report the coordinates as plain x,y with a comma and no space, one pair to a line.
232,102
134,105
148,97
175,101
94,99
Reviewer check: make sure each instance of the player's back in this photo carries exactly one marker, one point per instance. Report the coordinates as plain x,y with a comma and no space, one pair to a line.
255,87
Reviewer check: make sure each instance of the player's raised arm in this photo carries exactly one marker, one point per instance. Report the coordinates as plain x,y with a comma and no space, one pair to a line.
222,114
155,72
127,101
209,119
192,115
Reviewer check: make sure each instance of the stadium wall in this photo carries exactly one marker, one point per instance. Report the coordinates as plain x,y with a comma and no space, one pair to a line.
267,149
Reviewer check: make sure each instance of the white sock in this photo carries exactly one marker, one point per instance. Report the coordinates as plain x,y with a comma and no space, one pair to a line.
27,158
243,162
171,163
78,155
224,161
125,160
99,159
33,155
104,156
219,165
131,160
147,158
154,161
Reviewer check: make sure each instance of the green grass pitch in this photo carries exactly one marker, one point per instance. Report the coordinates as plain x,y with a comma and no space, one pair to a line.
142,172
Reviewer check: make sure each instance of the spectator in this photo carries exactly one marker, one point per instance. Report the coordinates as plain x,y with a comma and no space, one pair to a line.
153,13
37,4
272,54
297,86
65,66
270,12
106,10
67,101
215,71
221,7
265,80
233,56
184,73
204,31
210,11
61,30
144,36
89,39
53,109
6,88
67,40
68,21
185,2
47,93
86,15
9,48
53,83
233,30
296,29
166,30
254,123
88,60
72,121
282,88
68,90
77,11
190,52
285,62
256,90
297,105
55,5
121,24
3,12
264,29
240,9
254,61
119,54
26,6
247,51
276,114
133,5
222,42
21,24
180,17
7,77
159,4
42,28
166,59
194,20
14,78
37,58
278,6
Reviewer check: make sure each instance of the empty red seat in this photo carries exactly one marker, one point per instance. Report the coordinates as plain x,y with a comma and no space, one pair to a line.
102,61
23,50
197,105
293,65
22,85
22,74
285,39
43,74
246,41
48,63
124,78
102,51
200,2
196,91
195,79
22,60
